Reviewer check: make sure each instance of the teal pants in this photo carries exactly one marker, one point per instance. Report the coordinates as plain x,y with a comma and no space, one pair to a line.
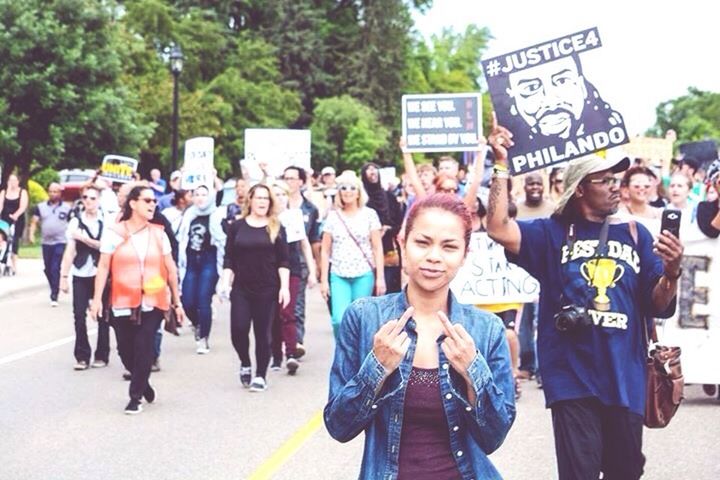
343,291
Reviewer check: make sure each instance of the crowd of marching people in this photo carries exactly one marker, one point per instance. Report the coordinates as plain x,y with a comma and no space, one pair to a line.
146,253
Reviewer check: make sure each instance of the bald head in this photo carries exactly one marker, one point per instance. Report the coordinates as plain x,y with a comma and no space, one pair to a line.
534,189
54,192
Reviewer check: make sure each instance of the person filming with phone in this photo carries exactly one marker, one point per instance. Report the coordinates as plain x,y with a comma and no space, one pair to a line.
600,278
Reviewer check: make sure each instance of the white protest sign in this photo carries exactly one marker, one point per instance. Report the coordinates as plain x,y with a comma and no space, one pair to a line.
116,168
292,220
487,277
387,175
198,167
274,149
695,327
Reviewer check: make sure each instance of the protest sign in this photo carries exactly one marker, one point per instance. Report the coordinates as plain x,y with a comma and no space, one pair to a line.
292,221
198,166
487,277
447,122
274,149
555,114
116,168
658,151
695,327
387,176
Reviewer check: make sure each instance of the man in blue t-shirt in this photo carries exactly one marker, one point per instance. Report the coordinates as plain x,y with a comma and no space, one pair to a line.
600,280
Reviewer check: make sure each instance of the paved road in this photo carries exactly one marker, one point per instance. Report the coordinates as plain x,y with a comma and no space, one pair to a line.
60,424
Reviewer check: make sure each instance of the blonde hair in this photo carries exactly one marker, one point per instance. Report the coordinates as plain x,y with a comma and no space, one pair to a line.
273,226
348,177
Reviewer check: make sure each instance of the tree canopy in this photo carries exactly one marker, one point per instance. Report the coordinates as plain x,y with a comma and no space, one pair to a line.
694,116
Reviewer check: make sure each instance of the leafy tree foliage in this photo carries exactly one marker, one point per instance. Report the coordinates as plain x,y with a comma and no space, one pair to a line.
694,116
61,99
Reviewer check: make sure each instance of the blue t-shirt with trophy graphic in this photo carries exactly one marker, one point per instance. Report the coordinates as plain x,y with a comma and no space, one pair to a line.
607,359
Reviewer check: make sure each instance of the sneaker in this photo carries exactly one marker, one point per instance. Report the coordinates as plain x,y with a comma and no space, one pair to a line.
99,364
258,385
133,408
149,394
155,366
276,365
53,303
81,365
202,346
127,376
292,365
245,376
299,351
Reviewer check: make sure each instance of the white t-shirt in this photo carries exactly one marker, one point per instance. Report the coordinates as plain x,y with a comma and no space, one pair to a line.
111,240
346,259
88,269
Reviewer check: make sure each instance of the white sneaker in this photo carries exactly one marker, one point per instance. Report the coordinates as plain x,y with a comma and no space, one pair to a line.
53,303
258,384
202,346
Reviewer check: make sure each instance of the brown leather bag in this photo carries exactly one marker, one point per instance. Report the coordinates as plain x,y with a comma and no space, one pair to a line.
664,384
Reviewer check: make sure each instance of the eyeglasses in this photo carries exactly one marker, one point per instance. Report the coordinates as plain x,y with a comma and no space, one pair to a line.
85,197
347,188
605,181
557,181
448,190
635,185
148,200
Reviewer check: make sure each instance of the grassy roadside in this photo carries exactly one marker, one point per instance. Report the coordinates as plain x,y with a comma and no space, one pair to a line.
30,250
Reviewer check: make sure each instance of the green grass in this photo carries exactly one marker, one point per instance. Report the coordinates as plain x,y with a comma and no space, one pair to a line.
29,250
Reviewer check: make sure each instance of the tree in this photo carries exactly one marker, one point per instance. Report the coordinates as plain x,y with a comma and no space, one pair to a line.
694,116
345,133
61,98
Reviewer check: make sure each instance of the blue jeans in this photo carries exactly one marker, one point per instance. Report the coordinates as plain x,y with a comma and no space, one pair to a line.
52,258
197,290
526,336
300,304
344,291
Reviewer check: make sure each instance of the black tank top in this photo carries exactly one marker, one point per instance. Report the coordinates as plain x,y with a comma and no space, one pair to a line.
10,206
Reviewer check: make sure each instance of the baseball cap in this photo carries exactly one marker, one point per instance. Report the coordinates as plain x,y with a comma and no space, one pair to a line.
327,171
175,174
581,167
713,172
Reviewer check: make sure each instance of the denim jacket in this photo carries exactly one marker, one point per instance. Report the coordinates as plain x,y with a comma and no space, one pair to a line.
475,430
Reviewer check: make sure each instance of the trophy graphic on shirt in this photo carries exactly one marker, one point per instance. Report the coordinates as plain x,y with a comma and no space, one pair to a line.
602,273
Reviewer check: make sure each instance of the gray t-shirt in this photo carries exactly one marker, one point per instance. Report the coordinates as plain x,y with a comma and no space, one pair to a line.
54,221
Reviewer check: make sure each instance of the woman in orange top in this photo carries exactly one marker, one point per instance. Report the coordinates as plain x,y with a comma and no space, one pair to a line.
137,256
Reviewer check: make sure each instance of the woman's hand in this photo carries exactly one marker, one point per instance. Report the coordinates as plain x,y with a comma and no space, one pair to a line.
95,308
325,290
223,290
64,285
284,297
458,346
380,287
179,314
391,342
312,279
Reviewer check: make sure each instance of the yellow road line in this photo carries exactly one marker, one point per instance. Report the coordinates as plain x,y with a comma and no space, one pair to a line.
288,449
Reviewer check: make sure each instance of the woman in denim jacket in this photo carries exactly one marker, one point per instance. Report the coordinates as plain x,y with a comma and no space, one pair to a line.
429,380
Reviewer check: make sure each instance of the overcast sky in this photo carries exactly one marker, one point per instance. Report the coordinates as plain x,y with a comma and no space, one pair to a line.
651,52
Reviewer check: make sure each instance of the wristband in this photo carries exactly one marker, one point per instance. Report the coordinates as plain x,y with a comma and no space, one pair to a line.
674,278
504,175
500,167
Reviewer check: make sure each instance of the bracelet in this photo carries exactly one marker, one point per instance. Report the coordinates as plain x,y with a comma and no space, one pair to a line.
500,167
65,276
674,278
502,175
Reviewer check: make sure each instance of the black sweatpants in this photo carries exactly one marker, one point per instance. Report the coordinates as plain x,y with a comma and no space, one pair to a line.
136,346
83,289
591,437
258,309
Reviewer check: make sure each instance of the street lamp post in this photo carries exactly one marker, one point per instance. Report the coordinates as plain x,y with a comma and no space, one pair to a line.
176,66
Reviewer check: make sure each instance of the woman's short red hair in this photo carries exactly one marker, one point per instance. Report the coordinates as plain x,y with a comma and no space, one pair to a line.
441,201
